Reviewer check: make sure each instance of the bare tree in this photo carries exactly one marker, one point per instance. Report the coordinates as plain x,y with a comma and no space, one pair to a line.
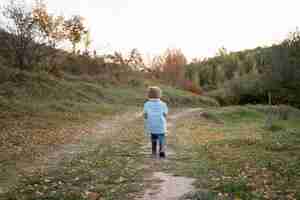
30,36
132,61
21,41
135,60
87,41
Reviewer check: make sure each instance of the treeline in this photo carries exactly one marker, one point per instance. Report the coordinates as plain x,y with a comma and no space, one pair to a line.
33,39
261,75
30,36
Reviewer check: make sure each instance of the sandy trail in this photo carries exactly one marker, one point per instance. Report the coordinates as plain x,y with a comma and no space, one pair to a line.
169,187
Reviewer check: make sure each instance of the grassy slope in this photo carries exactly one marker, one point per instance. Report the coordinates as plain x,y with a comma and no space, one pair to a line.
227,149
32,93
39,112
35,107
230,152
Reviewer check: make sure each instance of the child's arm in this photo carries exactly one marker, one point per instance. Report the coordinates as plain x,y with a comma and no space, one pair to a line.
166,110
145,111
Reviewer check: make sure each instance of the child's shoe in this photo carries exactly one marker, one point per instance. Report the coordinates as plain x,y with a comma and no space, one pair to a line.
162,154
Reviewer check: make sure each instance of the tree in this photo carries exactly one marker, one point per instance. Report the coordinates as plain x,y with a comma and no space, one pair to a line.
22,41
282,78
157,63
132,61
222,52
75,30
173,67
33,35
135,60
87,41
52,27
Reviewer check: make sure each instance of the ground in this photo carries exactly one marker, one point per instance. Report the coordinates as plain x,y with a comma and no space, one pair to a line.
212,153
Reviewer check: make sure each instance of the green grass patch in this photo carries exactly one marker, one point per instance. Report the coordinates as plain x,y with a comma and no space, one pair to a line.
238,114
40,92
239,158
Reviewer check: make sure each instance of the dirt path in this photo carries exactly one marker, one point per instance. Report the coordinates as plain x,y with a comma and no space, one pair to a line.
102,130
113,160
167,186
116,135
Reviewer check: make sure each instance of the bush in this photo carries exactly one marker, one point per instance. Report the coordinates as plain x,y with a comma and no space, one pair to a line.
192,87
253,89
7,74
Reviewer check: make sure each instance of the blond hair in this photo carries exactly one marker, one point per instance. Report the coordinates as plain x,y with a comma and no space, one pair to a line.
154,92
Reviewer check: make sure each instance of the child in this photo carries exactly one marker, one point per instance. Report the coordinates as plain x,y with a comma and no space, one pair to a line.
155,114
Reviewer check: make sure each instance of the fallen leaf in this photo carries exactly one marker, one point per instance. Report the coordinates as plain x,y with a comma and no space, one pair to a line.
92,195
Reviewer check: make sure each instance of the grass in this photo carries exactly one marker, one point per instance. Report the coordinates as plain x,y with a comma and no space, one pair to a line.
39,112
232,154
107,168
33,92
179,97
36,100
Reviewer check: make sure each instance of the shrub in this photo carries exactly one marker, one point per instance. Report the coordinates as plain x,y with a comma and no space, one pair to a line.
191,87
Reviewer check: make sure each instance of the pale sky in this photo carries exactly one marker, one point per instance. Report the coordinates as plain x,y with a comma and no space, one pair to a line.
198,27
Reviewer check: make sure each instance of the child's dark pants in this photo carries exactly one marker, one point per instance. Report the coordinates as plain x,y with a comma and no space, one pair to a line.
158,138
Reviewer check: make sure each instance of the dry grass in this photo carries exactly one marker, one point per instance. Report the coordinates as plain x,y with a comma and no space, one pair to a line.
239,158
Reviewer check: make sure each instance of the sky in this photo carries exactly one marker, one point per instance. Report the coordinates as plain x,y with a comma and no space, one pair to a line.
198,27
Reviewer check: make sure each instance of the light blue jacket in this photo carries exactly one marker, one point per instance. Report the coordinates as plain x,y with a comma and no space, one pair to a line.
155,111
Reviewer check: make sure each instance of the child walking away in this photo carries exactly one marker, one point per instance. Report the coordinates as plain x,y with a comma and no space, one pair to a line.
155,114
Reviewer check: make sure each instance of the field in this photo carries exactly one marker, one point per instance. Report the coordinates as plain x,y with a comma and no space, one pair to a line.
72,91
41,114
228,151
234,156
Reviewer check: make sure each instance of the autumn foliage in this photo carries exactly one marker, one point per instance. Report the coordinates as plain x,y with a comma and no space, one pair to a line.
170,66
31,36
192,87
